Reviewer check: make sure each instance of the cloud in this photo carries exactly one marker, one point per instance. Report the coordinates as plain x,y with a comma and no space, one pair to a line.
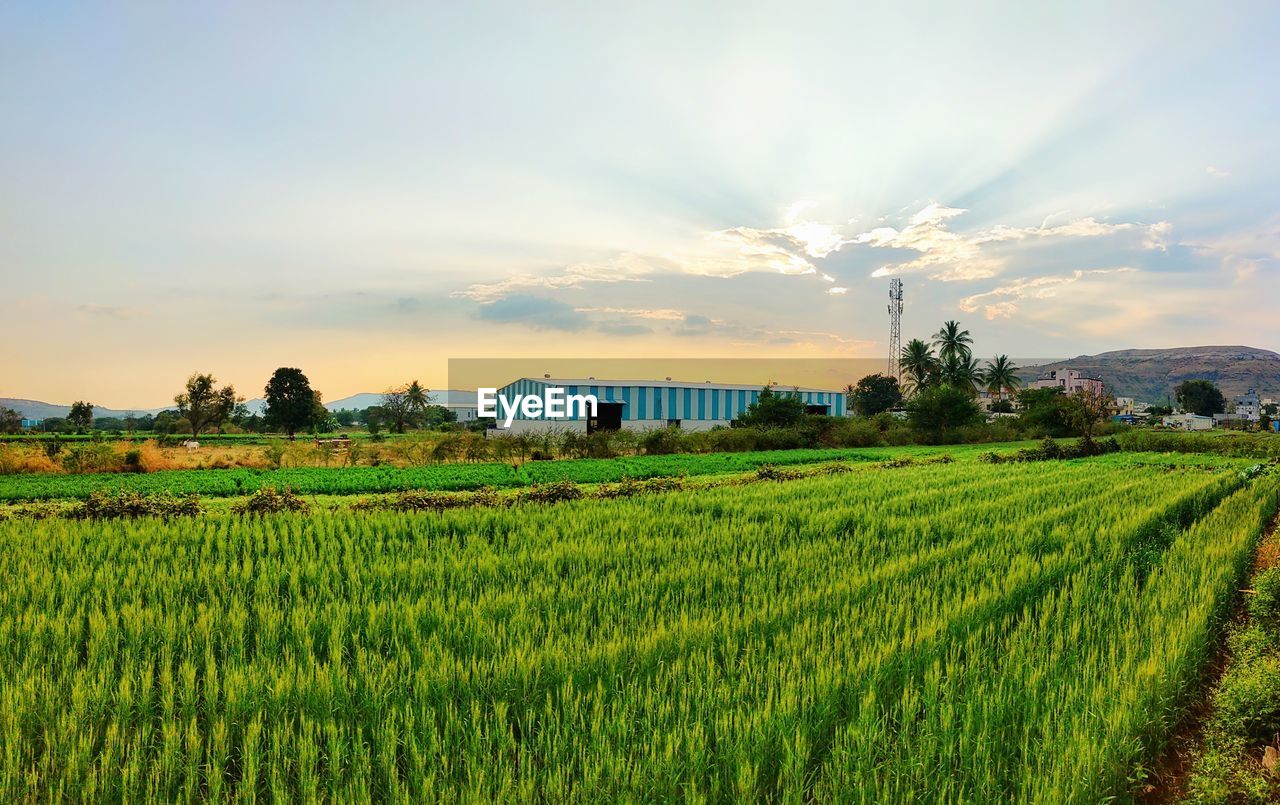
837,291
622,328
1244,252
1003,298
950,256
117,312
534,311
625,267
1215,173
660,314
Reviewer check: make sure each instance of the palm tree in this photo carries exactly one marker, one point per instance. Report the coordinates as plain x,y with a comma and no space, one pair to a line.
417,397
919,364
961,373
1001,376
951,341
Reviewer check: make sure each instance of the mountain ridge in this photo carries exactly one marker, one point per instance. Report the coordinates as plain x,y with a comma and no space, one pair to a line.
1152,374
38,409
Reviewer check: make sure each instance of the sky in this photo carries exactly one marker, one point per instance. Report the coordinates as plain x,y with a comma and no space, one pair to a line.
366,191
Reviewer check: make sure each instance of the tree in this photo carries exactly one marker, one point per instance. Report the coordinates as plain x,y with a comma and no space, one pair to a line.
418,397
919,364
774,410
961,373
437,416
1044,410
202,404
952,342
291,402
322,420
10,421
397,409
1001,376
874,394
1086,408
1200,397
81,415
345,417
935,410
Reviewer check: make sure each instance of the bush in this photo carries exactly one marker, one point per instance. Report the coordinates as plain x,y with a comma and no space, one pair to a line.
104,505
553,492
661,441
936,413
768,472
268,501
1248,700
1146,440
1264,604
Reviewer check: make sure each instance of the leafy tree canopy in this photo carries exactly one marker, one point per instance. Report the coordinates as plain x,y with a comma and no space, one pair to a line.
935,410
874,394
202,404
774,410
291,402
1200,397
81,415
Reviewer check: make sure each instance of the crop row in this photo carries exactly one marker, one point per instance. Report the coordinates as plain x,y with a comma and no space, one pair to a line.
443,477
936,632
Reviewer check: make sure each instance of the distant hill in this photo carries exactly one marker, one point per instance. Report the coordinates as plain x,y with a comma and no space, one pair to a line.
1150,374
35,409
438,397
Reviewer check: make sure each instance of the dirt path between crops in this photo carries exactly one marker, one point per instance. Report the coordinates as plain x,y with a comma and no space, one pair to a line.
1171,772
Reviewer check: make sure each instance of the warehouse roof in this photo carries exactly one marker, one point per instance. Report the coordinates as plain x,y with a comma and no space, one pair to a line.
679,384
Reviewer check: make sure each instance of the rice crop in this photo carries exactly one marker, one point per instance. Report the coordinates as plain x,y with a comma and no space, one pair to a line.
944,631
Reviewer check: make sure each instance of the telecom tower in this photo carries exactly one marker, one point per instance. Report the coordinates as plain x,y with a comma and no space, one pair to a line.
895,329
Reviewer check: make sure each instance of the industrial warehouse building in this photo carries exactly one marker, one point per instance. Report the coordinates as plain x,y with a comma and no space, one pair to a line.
649,404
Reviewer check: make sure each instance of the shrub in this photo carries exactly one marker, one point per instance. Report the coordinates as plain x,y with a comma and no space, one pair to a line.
1248,700
1264,604
768,472
553,492
104,505
268,501
661,441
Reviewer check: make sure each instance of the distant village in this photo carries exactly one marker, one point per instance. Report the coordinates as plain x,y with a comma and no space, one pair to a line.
1248,411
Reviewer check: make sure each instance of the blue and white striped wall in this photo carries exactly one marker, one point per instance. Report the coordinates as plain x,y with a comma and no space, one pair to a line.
696,406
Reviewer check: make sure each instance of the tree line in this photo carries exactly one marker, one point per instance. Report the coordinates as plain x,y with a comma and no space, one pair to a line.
292,407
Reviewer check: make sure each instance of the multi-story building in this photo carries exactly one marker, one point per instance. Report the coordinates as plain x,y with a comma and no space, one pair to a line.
1069,380
1249,405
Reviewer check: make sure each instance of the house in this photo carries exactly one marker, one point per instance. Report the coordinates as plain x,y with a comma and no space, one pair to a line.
1069,380
32,424
1249,405
1188,422
1235,421
461,403
651,404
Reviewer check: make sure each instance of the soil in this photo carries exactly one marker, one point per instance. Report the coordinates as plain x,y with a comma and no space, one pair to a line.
1171,772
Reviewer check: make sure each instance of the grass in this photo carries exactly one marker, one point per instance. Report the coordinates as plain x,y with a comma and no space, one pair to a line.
444,477
930,632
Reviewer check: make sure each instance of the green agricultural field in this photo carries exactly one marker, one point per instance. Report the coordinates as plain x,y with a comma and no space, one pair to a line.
447,477
933,633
